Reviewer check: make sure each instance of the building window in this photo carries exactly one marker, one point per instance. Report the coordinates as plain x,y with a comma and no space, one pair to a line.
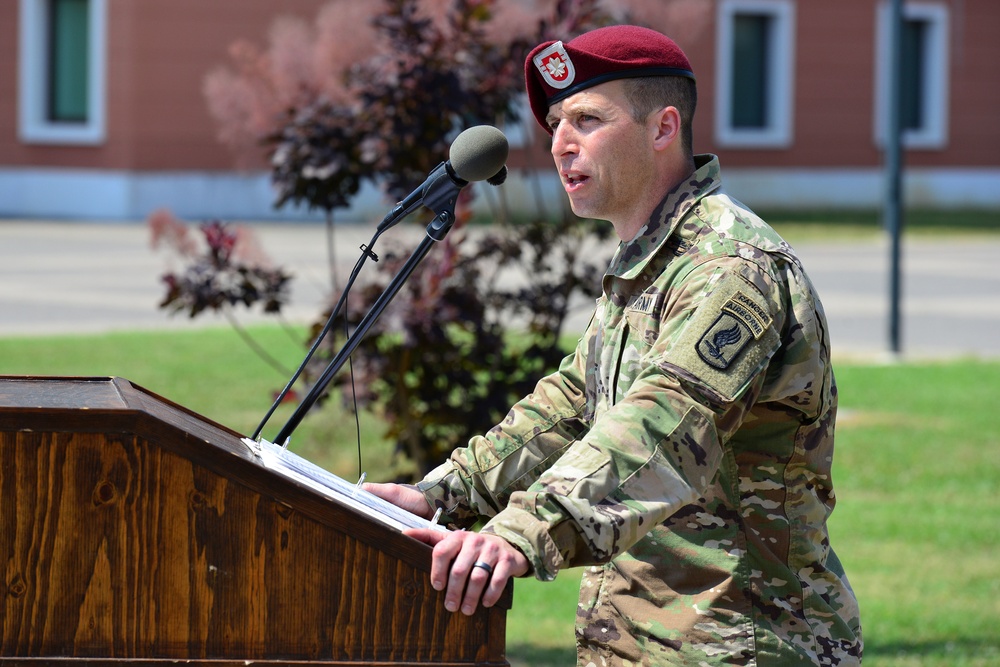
924,73
62,62
755,55
67,66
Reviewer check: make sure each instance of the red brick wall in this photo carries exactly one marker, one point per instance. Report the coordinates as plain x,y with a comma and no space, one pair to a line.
160,51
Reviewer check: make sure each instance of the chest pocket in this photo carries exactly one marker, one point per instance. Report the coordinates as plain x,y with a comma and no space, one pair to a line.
640,329
642,315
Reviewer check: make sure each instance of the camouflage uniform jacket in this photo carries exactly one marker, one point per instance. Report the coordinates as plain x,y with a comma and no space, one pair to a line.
683,452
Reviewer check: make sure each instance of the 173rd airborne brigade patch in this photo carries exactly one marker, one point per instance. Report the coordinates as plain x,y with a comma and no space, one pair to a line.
740,321
732,337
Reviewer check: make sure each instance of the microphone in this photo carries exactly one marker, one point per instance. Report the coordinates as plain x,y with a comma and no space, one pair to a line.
477,154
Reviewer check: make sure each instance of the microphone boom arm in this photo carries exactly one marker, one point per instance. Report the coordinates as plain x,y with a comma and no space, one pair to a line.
439,192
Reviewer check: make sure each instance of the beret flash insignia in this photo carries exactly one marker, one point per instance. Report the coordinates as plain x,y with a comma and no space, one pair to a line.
555,66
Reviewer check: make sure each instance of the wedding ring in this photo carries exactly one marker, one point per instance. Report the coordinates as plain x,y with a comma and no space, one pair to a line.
485,566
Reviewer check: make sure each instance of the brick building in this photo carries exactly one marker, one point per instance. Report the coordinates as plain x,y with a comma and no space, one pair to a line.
102,114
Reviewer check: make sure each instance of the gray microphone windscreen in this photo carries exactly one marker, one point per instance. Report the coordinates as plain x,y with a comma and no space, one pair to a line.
478,153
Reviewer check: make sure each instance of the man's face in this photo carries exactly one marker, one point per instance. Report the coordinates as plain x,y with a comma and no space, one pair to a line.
603,156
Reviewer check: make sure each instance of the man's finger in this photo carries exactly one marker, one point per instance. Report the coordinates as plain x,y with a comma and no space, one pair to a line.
446,547
480,579
405,496
426,535
496,584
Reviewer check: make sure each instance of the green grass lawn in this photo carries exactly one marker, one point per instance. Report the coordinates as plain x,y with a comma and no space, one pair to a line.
917,474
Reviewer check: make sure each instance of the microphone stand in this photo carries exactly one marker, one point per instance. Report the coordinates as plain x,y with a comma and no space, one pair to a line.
437,229
366,254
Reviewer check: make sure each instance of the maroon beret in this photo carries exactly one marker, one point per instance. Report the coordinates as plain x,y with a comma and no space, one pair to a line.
553,70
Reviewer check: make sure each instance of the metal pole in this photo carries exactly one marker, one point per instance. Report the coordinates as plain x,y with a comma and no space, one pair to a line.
893,169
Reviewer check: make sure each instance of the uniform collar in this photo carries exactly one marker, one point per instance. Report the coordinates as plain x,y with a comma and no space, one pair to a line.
632,256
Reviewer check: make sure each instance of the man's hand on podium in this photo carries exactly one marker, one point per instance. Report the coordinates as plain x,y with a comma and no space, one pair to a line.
470,567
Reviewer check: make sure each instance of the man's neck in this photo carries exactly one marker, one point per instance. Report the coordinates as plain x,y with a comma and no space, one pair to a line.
627,230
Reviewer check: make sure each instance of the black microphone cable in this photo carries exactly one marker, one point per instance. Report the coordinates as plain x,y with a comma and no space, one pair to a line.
366,254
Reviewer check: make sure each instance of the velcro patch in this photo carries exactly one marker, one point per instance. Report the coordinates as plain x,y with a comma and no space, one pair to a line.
729,338
647,304
741,319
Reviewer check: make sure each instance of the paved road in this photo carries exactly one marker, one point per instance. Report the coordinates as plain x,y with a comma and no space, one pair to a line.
72,277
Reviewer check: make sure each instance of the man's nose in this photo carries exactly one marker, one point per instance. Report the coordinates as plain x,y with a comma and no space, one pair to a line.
563,139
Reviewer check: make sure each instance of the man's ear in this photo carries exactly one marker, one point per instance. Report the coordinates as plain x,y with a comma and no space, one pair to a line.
666,125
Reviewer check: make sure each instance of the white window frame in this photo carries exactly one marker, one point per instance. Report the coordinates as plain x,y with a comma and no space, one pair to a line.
779,130
934,134
33,124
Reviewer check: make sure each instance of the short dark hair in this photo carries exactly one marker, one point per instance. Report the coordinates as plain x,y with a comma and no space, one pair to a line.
650,93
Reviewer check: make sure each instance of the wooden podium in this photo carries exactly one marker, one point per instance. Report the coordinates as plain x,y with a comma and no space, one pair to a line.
135,531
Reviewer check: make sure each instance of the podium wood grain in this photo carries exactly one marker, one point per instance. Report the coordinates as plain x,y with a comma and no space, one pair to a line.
133,530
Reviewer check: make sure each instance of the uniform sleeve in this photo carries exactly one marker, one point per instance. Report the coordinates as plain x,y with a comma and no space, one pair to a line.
479,479
659,445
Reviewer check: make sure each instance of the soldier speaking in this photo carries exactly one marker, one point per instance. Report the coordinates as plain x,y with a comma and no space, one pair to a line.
683,451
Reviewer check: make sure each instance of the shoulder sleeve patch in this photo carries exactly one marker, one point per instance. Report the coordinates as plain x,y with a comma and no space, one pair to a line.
728,340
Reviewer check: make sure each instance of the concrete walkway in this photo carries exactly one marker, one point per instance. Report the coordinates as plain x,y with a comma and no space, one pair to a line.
63,278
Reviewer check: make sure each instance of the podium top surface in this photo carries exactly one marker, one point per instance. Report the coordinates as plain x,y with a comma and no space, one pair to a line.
68,393
105,394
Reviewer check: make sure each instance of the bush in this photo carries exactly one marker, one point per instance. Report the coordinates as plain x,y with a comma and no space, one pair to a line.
462,344
445,364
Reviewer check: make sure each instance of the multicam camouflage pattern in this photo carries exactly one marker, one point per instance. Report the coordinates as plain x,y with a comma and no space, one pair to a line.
683,452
